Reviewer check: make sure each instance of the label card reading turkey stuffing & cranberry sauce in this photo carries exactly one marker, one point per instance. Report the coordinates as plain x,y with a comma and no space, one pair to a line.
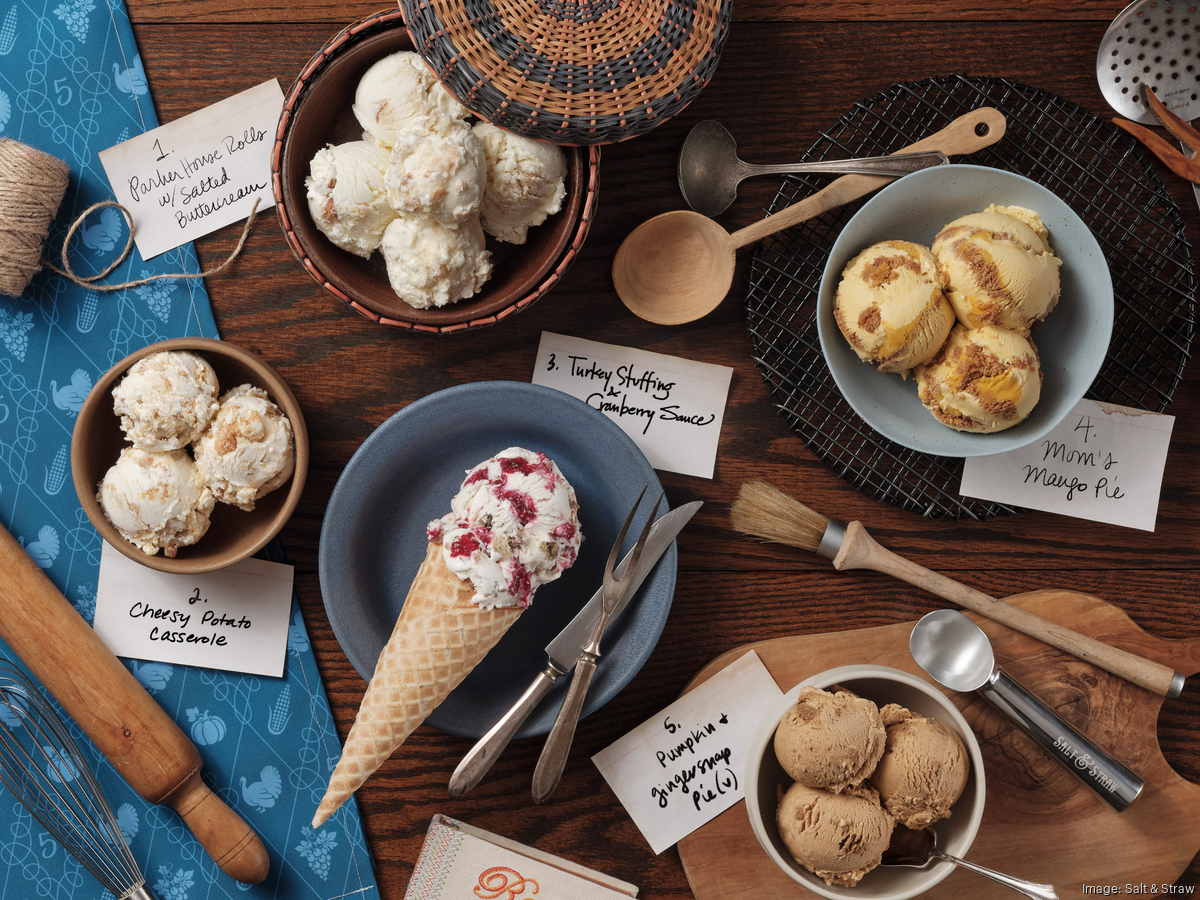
672,408
192,176
235,619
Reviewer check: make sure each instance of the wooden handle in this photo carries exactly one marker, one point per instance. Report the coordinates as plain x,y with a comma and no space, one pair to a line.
963,135
141,741
225,836
860,551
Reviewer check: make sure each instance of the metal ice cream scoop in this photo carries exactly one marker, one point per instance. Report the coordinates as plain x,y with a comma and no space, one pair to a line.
956,653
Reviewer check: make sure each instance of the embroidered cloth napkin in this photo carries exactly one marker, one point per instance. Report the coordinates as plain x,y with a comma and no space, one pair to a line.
459,861
72,84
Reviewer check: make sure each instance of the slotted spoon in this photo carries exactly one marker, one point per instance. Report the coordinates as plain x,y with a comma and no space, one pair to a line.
1157,45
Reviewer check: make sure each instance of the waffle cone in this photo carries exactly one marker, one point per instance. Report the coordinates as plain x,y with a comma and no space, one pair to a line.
440,636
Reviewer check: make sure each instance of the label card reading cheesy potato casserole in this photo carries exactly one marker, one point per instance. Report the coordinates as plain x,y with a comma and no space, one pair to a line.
235,619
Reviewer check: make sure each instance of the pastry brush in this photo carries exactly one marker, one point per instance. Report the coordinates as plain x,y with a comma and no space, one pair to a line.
766,512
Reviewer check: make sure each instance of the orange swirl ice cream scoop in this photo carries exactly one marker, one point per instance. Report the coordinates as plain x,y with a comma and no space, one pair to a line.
890,306
983,380
999,268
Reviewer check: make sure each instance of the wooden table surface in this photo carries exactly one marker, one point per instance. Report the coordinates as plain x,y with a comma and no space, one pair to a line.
789,69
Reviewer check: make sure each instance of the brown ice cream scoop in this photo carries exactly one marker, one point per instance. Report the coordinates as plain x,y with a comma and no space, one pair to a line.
923,769
830,740
837,837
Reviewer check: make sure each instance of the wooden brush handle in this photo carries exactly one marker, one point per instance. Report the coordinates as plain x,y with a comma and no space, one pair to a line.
141,741
960,136
860,551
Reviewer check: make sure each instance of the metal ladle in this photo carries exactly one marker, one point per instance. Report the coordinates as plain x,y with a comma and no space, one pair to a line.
956,653
917,848
710,171
677,267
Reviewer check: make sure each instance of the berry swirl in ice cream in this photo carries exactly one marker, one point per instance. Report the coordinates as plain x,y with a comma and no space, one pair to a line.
513,526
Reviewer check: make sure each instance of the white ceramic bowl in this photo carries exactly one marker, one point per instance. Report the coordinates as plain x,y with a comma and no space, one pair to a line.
883,685
1072,341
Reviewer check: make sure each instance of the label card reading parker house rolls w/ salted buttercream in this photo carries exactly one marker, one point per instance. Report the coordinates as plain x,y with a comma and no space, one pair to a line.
1102,462
192,176
235,619
680,769
672,408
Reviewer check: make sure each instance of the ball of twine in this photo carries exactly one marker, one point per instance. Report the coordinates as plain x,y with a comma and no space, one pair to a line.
32,186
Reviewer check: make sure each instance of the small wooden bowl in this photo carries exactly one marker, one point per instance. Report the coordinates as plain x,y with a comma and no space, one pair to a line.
317,111
234,533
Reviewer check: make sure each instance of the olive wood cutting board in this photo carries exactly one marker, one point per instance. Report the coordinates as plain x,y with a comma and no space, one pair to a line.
1039,822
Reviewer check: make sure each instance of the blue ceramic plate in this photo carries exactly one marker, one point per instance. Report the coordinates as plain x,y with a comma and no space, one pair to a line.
1072,341
404,475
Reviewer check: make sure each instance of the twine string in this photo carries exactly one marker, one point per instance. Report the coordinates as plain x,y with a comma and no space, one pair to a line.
89,281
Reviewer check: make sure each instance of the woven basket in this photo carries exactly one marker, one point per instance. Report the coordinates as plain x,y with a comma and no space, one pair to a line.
317,110
573,72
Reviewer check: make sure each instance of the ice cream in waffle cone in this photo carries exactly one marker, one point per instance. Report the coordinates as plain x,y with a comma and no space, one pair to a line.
513,525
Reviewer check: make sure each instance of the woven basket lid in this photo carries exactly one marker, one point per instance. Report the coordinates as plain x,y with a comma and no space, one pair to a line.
571,71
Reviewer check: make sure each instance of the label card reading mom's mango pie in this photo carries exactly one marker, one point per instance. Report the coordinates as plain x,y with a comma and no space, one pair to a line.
672,408
1102,462
235,619
192,176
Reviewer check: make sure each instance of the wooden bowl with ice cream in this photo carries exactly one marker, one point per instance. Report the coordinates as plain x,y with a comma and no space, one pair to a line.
318,112
233,533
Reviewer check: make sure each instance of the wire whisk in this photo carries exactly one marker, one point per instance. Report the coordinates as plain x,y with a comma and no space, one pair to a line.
42,767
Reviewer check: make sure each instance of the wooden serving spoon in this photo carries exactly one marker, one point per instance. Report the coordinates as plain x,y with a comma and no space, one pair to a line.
677,267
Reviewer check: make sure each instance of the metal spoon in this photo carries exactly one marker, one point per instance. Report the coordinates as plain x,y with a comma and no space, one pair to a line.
710,171
956,653
917,849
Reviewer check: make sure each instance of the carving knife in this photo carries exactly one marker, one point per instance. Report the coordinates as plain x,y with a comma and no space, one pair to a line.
563,651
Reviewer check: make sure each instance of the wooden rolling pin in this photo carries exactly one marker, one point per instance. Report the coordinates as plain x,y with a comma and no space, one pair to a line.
141,741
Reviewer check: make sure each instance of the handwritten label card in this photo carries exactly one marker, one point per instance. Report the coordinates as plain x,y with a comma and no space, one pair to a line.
671,407
234,619
1103,463
199,173
680,769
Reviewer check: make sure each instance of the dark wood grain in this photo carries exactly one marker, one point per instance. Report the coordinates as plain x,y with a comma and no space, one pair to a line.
788,70
328,11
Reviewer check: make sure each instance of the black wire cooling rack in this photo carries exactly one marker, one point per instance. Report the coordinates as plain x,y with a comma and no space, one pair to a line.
1096,169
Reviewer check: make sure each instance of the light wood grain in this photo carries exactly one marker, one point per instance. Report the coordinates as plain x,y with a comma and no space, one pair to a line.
1039,822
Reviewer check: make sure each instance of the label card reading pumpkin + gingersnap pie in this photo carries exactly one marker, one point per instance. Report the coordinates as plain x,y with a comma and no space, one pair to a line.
235,619
683,767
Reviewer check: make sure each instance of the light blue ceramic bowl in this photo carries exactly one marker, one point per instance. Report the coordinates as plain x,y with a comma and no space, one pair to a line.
1072,342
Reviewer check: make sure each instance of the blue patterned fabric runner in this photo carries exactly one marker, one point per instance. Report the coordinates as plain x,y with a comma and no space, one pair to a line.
72,84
